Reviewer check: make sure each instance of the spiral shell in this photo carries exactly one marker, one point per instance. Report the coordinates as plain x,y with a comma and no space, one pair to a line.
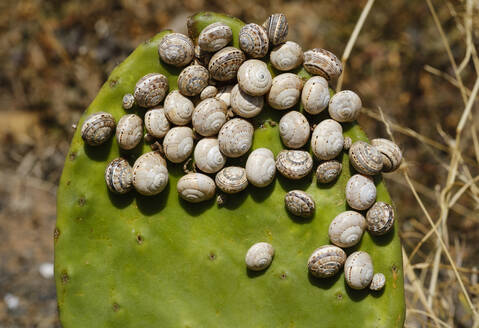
286,56
259,256
178,108
378,282
358,270
391,153
245,105
347,229
119,176
322,62
328,171
253,40
156,123
360,192
326,261
208,157
366,159
260,167
150,175
129,131
294,130
315,95
294,164
209,116
344,106
224,94
176,49
150,90
192,80
347,143
208,92
178,144
276,27
196,187
380,218
97,128
327,140
215,36
128,101
299,203
254,77
285,91
224,64
235,137
231,179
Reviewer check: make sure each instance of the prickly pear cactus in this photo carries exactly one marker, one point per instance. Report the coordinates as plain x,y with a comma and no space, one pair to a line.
137,261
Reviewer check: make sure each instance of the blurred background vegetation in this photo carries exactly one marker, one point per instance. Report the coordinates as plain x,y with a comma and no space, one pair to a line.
56,54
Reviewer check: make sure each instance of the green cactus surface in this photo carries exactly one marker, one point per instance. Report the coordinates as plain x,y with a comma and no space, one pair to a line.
158,261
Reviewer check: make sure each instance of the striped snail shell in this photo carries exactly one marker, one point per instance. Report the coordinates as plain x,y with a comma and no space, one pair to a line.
224,64
253,40
156,123
119,176
224,94
178,108
128,101
176,49
196,187
97,128
294,164
215,36
315,95
380,218
322,62
391,153
245,105
209,116
344,106
150,175
235,137
129,131
326,261
208,92
260,167
327,140
347,228
358,270
254,77
150,90
378,282
192,80
366,159
231,179
178,144
294,130
328,171
286,56
360,192
208,157
285,91
276,27
259,256
299,203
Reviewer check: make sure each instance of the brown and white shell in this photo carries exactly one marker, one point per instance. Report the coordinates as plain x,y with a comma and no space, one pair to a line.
178,144
224,94
254,77
327,140
326,261
196,187
358,270
328,171
294,164
294,130
129,131
315,95
231,179
208,92
235,137
346,229
150,175
176,49
245,105
276,27
253,40
259,256
286,56
178,108
345,106
366,159
347,143
156,123
322,62
208,157
380,218
299,203
128,101
209,116
260,167
391,153
98,128
119,176
192,80
285,91
150,90
215,36
360,192
224,64
378,282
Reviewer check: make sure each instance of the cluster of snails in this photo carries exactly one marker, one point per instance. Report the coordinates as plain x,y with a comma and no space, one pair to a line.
219,88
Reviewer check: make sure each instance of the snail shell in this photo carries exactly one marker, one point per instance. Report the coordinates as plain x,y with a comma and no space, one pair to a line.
391,153
215,36
178,144
156,123
344,106
202,57
209,116
366,159
326,261
285,91
150,90
231,179
378,282
97,128
245,105
360,192
176,49
253,40
327,140
178,108
299,203
192,80
208,92
259,256
119,176
150,175
208,157
315,95
286,56
196,187
254,77
347,229
224,64
224,94
328,171
235,137
380,218
276,27
128,101
322,62
294,130
347,143
358,270
129,131
260,167
294,164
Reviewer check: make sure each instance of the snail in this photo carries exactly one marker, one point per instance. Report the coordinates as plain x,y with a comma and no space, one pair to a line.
260,167
391,153
178,109
347,228
328,171
254,77
327,140
286,56
344,106
378,282
208,157
129,131
118,176
244,104
366,159
380,218
224,94
322,62
97,128
347,143
294,130
192,80
196,187
150,175
215,36
176,49
259,256
156,123
128,101
326,261
208,92
276,27
231,179
150,90
360,192
253,40
299,203
224,64
209,116
285,91
294,164
178,144
315,95
235,137
358,270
